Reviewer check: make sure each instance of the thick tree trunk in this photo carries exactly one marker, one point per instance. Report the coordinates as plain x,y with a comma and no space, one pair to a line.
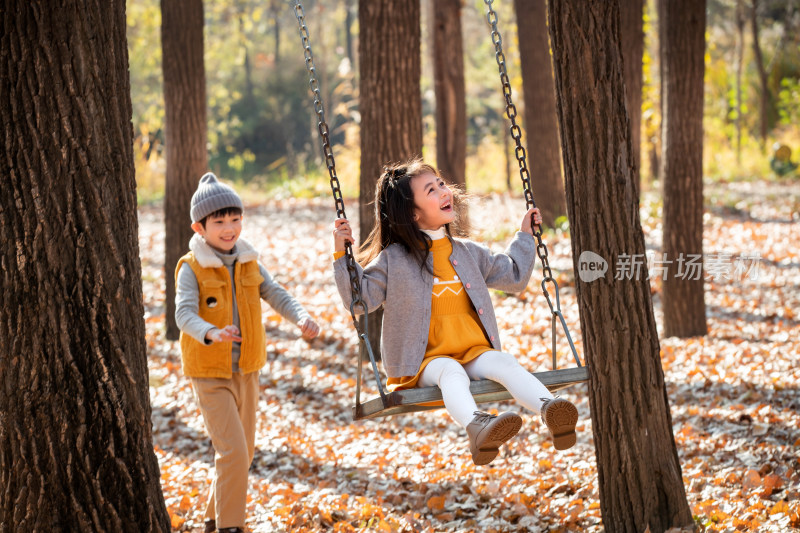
639,472
683,30
76,450
448,76
390,100
631,32
541,123
186,130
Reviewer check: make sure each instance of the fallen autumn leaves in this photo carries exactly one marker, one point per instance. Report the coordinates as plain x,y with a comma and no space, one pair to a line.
734,394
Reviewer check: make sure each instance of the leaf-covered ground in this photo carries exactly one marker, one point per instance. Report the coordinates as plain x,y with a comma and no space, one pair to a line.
733,393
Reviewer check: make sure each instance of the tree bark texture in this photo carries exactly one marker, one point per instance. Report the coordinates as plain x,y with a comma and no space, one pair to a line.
683,30
541,124
76,450
390,101
639,472
451,106
185,131
632,42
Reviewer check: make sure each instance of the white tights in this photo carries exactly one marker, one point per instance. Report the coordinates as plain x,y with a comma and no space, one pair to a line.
453,379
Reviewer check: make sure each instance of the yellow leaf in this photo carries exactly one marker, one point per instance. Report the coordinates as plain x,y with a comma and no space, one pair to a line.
780,507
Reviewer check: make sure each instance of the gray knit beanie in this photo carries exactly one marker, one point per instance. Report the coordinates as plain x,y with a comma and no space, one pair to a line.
211,196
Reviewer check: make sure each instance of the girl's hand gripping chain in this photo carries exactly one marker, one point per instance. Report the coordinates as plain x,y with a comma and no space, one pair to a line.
342,233
526,220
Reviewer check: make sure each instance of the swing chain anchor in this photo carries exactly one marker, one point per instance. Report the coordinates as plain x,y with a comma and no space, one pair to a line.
324,132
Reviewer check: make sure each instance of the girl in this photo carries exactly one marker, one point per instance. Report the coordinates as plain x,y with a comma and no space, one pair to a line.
439,326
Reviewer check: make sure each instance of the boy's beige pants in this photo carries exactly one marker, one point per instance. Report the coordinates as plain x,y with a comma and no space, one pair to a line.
229,412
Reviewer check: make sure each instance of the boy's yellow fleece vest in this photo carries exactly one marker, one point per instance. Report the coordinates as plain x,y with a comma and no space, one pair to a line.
215,306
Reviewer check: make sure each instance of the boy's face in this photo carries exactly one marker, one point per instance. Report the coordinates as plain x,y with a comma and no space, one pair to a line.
221,232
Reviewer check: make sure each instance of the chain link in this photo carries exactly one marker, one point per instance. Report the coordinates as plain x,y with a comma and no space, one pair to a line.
516,134
355,284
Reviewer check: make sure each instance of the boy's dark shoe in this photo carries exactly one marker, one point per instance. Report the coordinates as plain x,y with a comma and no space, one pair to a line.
231,530
488,432
211,526
560,417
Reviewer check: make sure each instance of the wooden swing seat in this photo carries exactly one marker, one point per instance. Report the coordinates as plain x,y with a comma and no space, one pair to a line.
485,390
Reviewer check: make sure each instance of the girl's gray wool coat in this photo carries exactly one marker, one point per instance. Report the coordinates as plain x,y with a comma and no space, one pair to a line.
395,280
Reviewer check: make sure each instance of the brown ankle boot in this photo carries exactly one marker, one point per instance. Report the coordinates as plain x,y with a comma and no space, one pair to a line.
560,417
488,432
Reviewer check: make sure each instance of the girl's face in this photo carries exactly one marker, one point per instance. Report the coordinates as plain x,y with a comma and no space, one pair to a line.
433,201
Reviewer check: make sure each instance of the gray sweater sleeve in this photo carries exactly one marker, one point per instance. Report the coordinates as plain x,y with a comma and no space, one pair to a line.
279,298
187,304
373,280
511,270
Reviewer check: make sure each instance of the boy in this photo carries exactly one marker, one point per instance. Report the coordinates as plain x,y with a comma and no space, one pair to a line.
223,342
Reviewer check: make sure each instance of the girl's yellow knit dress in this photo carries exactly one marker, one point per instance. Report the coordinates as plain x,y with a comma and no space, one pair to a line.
455,329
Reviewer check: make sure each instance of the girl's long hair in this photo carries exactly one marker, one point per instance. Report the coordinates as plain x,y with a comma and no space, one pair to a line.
394,213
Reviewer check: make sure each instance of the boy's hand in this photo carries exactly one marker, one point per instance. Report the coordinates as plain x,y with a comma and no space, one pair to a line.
526,220
341,234
227,334
308,328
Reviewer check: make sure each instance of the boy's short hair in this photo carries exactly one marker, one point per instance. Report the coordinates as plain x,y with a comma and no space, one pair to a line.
212,196
221,213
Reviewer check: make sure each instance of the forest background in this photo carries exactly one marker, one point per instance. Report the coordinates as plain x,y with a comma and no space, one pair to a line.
262,130
693,427
262,135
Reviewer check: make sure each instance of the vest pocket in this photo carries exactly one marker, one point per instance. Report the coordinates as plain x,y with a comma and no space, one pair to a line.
253,279
213,301
251,285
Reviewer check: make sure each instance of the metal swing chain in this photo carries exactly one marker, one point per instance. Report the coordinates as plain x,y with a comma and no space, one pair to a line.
519,152
516,134
324,132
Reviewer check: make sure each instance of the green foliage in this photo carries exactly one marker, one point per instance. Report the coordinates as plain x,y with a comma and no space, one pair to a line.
262,129
561,224
144,56
789,101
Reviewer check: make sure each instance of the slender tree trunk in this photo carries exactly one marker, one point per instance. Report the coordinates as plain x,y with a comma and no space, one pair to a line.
76,449
185,131
740,23
639,472
277,11
390,100
450,91
541,122
448,74
763,76
682,60
632,42
348,31
249,87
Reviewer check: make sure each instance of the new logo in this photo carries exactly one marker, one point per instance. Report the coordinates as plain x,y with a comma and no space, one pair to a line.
591,266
